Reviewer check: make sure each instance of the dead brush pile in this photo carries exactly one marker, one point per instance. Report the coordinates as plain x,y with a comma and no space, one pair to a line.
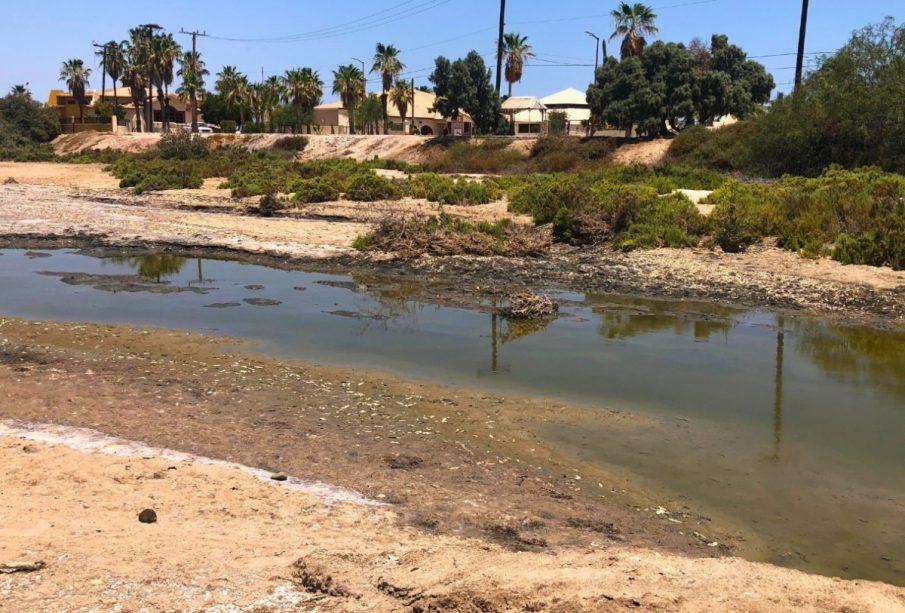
527,305
410,237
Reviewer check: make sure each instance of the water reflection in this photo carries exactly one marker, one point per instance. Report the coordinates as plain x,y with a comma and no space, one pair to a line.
856,354
777,386
625,317
156,266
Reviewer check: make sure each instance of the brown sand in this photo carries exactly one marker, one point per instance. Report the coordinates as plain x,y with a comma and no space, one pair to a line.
227,542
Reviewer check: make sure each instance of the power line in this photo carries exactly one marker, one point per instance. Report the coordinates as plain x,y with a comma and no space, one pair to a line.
348,27
607,15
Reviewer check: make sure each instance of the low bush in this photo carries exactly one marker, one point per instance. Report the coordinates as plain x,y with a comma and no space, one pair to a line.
315,190
857,217
28,153
228,126
368,187
564,154
294,144
181,145
447,190
157,175
485,156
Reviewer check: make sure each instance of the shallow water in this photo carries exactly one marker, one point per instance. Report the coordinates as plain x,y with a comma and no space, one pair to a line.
793,426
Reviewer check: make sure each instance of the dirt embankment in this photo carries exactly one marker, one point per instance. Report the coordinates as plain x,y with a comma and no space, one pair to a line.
471,526
413,149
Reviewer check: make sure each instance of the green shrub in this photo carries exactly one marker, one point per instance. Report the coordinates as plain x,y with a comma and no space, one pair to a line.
181,145
542,197
315,190
484,156
29,153
368,187
291,143
446,190
228,126
668,221
564,154
160,175
745,214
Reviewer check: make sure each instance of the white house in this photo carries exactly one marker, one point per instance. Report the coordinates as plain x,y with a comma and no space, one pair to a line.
574,104
527,115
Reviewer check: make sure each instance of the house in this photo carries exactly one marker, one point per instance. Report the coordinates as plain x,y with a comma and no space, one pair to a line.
527,115
575,105
179,112
332,118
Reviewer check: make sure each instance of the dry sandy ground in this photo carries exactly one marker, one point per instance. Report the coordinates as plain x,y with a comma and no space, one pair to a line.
646,152
227,542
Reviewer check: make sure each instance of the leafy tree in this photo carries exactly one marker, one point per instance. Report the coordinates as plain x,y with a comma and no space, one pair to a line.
632,22
24,121
348,83
75,74
466,84
388,65
516,51
369,113
671,86
216,110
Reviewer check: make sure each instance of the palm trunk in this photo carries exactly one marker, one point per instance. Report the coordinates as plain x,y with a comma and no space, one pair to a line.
194,113
115,96
163,116
510,89
150,108
386,119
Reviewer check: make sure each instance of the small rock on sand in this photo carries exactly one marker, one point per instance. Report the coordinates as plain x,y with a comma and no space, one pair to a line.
148,516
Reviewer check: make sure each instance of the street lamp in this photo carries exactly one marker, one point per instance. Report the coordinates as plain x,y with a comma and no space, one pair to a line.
364,79
596,51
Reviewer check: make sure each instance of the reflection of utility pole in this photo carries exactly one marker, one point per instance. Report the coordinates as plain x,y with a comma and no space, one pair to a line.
493,339
777,398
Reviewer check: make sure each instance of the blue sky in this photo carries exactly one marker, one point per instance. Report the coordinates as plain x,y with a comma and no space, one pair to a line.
36,37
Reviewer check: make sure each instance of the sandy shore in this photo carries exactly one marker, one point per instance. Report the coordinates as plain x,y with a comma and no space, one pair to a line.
465,522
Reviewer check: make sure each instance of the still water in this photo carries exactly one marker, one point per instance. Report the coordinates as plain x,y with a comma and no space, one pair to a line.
793,427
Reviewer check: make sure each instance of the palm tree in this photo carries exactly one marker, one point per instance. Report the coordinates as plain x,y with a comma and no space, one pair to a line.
192,71
386,62
115,64
164,53
348,83
135,72
74,73
369,113
303,90
230,86
515,51
402,95
633,22
271,93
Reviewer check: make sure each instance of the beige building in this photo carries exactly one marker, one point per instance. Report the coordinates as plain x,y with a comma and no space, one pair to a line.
332,118
527,115
179,112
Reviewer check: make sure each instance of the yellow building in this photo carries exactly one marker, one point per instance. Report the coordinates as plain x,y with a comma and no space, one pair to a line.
332,118
179,112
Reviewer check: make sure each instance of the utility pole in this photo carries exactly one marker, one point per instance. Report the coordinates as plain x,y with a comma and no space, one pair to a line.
799,65
499,47
364,76
103,71
195,34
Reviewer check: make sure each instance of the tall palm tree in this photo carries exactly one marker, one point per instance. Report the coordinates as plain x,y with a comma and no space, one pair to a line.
192,71
164,53
135,75
387,64
632,22
303,90
115,64
348,83
402,96
515,51
74,73
232,86
271,93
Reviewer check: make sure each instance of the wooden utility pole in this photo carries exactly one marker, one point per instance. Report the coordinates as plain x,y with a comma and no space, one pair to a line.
799,65
195,34
499,47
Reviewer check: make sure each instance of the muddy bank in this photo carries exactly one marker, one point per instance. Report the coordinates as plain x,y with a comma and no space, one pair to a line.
451,460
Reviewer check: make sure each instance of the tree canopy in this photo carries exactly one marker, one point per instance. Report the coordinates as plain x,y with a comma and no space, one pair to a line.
24,121
671,86
465,84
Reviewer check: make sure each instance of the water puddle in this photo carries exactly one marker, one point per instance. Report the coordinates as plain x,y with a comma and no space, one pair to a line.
793,426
